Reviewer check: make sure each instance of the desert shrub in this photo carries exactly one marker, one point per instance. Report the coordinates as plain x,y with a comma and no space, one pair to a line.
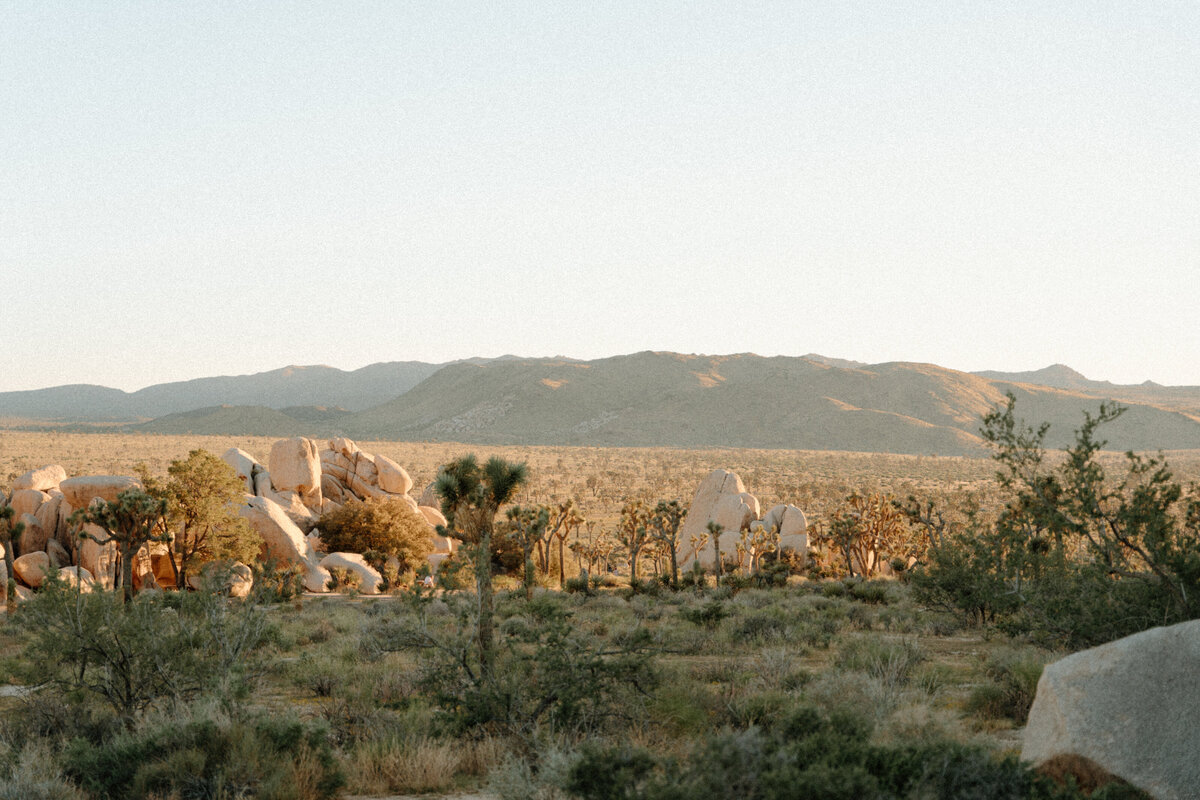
548,674
1075,555
577,585
35,775
345,580
132,655
881,658
1014,683
708,615
760,626
208,756
388,527
277,581
773,573
875,592
54,717
807,753
833,589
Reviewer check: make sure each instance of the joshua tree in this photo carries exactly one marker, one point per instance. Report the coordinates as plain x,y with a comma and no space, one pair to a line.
714,536
528,525
664,522
564,519
634,533
471,498
130,521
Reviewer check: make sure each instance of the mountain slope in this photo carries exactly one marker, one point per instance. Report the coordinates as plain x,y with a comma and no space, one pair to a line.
668,399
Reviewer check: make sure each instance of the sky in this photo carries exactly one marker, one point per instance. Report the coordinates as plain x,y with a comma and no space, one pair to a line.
194,189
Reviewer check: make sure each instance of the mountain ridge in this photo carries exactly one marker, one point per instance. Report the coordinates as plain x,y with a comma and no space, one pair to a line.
651,398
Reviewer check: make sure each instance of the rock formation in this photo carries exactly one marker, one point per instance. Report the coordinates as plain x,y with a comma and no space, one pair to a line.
283,504
369,579
283,540
723,499
42,480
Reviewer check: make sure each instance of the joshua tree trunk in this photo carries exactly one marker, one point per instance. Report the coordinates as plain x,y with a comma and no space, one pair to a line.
561,562
483,580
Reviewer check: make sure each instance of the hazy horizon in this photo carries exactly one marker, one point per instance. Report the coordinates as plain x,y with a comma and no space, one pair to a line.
220,189
267,369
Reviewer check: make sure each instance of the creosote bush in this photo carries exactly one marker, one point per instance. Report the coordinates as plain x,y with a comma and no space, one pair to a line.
388,527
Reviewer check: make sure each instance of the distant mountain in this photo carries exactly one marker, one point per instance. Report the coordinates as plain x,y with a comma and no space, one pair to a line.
649,399
668,399
232,421
1057,376
834,362
1184,399
79,402
281,388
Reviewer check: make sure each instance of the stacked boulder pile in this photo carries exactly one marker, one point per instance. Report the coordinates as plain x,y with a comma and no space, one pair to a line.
722,498
303,481
283,502
43,501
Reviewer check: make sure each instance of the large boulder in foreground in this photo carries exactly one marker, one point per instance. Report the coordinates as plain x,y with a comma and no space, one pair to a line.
283,539
1129,707
30,569
27,501
392,477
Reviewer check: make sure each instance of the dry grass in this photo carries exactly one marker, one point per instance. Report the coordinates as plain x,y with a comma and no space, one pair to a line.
425,765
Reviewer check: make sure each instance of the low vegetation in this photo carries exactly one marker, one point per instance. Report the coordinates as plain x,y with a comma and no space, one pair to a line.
564,654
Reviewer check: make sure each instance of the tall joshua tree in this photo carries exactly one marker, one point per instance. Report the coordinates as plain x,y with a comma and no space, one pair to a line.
471,498
633,533
665,521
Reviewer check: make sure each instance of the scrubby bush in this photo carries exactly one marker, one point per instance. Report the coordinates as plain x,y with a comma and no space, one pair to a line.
1075,555
277,581
390,527
811,754
1014,677
209,756
134,655
708,615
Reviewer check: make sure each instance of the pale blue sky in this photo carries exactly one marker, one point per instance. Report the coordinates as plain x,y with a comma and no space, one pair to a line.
191,189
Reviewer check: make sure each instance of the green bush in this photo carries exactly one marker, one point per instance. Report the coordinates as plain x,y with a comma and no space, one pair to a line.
390,527
277,581
808,754
1075,555
1010,694
266,757
874,592
133,655
708,615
